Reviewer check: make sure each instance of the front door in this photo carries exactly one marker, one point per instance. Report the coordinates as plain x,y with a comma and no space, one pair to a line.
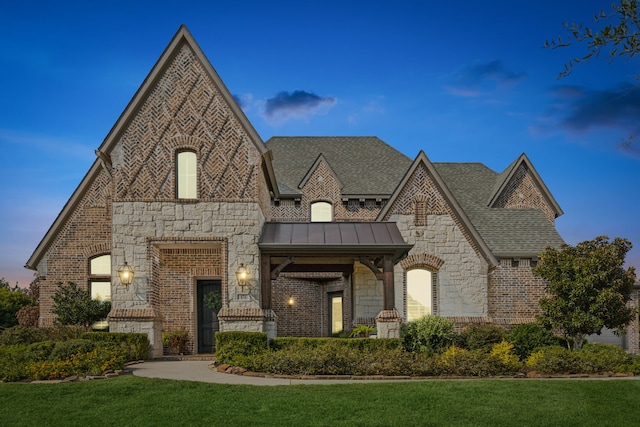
209,293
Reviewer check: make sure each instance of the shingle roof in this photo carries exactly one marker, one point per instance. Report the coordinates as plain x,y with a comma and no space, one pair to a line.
369,166
514,232
365,165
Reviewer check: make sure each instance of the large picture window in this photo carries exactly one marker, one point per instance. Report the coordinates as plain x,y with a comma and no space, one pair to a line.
419,293
186,175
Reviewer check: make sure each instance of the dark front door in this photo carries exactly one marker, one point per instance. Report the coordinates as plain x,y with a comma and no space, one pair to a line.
208,291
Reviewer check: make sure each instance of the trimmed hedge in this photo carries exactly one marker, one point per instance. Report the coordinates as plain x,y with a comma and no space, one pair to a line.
232,347
136,346
368,344
94,353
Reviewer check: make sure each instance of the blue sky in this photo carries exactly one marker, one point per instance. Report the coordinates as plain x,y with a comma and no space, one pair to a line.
465,81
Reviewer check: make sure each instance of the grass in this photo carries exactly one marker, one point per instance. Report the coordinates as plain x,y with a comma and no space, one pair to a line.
135,401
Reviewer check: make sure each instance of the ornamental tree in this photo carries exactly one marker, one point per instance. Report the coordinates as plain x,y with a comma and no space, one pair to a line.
587,288
74,306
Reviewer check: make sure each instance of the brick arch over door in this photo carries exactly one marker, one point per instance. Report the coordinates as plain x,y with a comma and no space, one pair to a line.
424,261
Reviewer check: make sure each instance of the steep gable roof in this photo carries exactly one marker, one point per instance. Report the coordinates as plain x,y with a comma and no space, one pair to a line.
180,39
314,167
366,166
507,232
507,175
443,189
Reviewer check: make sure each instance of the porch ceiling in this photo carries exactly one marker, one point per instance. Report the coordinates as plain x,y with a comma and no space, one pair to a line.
333,239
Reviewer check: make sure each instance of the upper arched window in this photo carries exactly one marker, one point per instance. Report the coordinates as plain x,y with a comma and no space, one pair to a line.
419,293
100,277
321,212
186,175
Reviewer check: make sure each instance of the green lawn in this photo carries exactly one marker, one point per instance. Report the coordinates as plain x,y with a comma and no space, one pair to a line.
134,401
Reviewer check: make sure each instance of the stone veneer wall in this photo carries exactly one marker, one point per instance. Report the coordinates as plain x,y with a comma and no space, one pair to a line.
309,316
138,226
86,234
514,291
462,278
368,295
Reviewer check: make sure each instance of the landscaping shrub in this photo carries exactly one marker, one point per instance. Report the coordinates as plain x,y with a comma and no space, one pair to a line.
94,362
554,360
28,315
354,343
65,349
598,358
39,351
481,337
429,334
22,335
528,337
634,367
231,345
12,362
472,363
504,351
134,346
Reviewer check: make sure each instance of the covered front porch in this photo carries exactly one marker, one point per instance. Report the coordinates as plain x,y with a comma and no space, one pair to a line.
313,276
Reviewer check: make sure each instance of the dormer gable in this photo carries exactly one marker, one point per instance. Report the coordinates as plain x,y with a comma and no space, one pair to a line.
519,186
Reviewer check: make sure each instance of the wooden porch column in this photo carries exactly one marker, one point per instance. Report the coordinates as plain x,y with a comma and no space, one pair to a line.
387,282
265,281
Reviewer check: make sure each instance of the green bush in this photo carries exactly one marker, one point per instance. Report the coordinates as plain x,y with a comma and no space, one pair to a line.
481,337
236,344
528,337
11,301
634,367
133,345
12,362
598,358
22,335
65,349
429,334
554,360
474,363
281,343
39,351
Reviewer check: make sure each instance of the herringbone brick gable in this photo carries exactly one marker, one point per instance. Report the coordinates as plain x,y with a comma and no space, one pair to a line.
186,111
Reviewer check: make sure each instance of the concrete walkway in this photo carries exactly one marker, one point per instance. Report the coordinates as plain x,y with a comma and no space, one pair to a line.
198,370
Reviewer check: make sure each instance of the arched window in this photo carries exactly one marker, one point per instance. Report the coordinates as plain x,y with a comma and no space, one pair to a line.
100,277
321,212
186,175
419,293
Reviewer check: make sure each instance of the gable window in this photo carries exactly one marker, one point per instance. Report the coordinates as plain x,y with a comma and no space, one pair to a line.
419,293
321,212
186,175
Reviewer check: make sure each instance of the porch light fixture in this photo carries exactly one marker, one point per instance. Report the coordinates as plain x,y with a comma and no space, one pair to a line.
126,274
291,301
242,274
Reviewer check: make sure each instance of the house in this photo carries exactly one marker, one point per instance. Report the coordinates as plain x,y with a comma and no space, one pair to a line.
298,236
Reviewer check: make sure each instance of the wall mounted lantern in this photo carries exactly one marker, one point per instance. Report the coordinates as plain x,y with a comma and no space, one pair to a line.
243,275
126,274
291,301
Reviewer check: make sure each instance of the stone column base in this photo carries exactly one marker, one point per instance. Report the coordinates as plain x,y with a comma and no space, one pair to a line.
249,320
388,324
142,321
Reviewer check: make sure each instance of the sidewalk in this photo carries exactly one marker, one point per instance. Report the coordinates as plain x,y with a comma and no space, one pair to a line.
198,370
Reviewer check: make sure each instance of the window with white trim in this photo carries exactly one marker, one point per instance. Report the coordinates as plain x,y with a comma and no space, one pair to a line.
419,293
186,175
321,212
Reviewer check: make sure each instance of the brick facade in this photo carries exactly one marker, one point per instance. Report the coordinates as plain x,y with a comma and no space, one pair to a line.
84,235
522,191
514,291
127,206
